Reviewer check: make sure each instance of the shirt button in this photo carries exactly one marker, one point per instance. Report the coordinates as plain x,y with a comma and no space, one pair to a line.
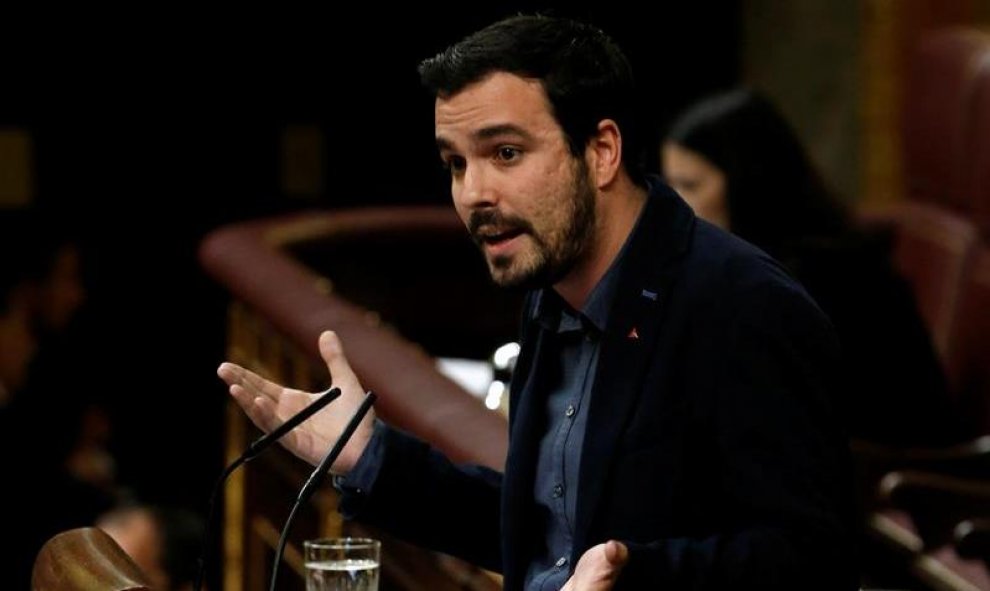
558,491
561,562
570,411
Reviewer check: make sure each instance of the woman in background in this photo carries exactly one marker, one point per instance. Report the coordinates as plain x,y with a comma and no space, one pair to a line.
740,166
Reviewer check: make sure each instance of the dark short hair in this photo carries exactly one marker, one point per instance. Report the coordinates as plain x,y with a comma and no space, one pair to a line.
585,75
774,194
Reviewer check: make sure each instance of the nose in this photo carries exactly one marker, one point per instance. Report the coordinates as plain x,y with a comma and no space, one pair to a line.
474,189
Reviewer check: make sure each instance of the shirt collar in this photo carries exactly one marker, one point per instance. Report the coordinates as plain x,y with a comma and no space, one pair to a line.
556,315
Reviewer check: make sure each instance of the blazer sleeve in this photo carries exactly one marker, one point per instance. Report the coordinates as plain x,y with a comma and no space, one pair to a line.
420,496
781,458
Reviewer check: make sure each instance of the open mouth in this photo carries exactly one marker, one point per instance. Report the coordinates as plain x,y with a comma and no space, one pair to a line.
497,238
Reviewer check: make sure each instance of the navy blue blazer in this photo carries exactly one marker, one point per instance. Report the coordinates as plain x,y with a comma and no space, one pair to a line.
712,448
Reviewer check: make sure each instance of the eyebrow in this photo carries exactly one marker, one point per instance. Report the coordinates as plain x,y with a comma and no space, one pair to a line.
487,133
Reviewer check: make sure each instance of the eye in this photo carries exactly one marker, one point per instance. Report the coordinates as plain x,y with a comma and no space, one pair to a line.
508,153
455,164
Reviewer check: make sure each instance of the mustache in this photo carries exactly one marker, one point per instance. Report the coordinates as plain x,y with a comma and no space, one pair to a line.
495,219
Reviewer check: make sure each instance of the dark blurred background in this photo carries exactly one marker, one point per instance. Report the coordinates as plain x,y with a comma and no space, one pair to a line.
150,132
148,129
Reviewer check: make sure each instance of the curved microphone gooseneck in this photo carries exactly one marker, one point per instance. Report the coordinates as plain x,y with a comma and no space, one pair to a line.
257,446
307,490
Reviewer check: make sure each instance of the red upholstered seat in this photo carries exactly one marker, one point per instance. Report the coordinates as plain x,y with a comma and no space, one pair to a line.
937,115
932,248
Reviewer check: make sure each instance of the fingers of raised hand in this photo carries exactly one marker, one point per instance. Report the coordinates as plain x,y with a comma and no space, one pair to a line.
250,381
332,351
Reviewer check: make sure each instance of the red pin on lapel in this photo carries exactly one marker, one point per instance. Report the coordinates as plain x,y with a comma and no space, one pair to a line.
633,334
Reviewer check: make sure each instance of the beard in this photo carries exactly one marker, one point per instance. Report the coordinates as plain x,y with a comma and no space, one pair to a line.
555,251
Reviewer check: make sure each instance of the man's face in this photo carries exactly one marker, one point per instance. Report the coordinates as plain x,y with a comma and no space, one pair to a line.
527,202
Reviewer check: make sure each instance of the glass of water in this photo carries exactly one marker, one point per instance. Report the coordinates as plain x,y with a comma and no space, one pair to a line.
342,564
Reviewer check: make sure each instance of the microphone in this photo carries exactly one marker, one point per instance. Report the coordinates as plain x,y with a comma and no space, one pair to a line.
260,444
307,490
254,449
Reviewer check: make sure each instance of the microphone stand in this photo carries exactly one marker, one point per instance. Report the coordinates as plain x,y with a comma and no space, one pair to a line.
257,446
307,490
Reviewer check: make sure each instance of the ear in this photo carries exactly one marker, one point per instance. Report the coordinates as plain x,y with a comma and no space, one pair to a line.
604,153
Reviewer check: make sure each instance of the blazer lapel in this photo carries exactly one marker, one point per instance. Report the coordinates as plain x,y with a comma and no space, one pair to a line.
525,430
647,274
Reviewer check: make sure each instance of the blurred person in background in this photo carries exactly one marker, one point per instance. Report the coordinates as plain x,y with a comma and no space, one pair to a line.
163,541
738,163
53,432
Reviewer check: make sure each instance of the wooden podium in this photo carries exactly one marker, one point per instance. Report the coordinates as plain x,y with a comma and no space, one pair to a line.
85,559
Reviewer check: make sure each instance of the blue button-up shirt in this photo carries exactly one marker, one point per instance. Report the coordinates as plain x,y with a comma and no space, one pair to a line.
573,344
577,338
